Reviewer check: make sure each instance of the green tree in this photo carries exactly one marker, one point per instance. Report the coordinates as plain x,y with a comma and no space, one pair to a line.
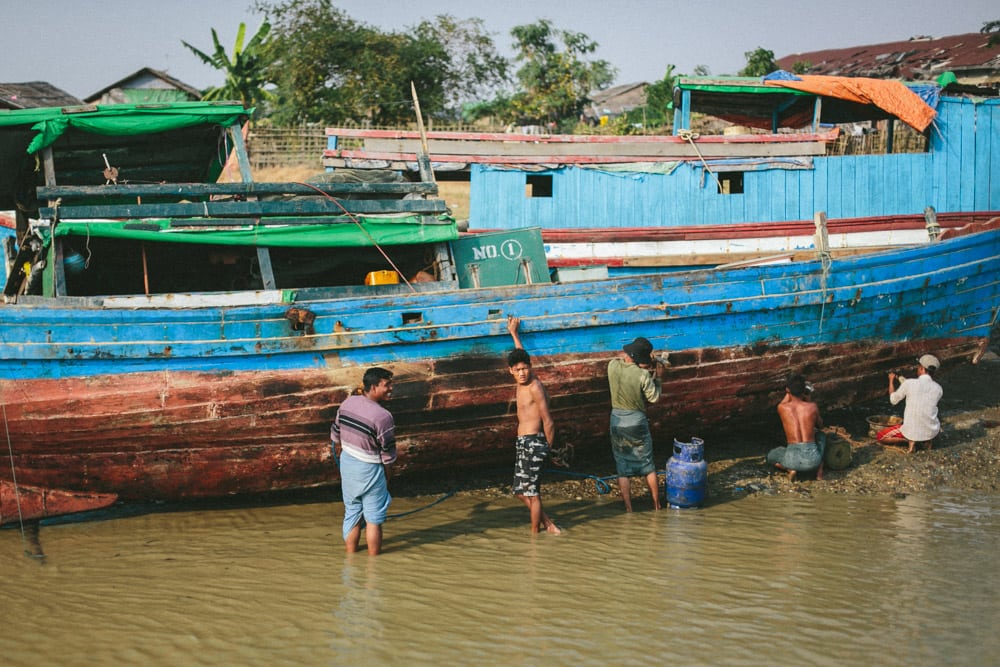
319,57
473,69
760,61
801,67
555,79
330,68
991,28
245,71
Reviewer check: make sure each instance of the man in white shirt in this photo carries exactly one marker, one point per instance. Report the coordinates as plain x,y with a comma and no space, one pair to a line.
920,416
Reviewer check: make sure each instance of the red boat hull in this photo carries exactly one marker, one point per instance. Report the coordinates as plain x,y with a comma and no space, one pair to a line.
172,436
26,503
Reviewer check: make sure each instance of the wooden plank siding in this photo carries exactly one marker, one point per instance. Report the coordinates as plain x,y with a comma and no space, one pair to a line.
958,174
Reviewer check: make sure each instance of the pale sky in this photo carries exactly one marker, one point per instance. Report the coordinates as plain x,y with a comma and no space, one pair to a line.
82,46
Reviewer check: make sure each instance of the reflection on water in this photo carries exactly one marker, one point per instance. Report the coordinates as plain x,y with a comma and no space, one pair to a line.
761,580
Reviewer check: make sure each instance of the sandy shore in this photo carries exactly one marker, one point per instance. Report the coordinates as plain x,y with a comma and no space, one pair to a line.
965,457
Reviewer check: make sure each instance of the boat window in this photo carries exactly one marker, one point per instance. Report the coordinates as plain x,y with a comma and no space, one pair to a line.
338,267
538,185
103,266
730,182
100,266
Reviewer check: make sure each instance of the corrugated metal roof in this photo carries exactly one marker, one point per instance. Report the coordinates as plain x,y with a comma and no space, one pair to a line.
34,94
914,59
193,93
617,100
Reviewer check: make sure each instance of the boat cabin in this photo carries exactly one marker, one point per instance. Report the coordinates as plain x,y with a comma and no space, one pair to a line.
128,200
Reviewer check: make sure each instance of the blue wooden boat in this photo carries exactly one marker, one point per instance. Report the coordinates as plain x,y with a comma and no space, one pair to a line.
745,191
165,335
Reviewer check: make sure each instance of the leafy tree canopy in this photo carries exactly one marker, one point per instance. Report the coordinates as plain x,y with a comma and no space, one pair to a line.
330,68
474,70
991,28
760,61
555,77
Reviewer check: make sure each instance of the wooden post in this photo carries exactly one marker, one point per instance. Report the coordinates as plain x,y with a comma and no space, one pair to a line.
423,158
240,149
821,240
145,270
246,175
931,223
682,116
58,268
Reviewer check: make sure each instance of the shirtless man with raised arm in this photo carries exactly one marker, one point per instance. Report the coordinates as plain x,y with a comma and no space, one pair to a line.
801,421
536,432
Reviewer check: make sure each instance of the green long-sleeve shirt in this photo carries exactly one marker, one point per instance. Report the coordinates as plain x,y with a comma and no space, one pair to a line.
632,388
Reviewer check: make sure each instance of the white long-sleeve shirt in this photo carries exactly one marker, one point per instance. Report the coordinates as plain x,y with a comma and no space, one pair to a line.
920,416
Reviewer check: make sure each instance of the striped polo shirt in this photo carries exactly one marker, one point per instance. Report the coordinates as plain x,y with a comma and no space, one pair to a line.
365,430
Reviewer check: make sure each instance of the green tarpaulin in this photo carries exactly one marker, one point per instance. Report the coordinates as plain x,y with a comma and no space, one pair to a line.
368,231
120,119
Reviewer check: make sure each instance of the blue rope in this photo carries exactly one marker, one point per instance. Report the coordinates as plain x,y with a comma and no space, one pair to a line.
420,509
600,483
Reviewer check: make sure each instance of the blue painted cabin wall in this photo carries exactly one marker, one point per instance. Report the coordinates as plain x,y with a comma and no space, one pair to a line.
959,173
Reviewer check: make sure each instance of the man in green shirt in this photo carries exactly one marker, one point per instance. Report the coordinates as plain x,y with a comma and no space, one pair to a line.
634,379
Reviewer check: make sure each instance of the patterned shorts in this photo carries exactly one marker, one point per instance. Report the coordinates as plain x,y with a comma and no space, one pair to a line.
531,452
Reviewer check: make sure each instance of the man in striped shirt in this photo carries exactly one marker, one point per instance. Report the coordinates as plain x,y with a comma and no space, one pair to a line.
364,432
920,416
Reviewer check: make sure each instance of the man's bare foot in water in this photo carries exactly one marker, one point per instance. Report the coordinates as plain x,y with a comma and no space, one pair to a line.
550,527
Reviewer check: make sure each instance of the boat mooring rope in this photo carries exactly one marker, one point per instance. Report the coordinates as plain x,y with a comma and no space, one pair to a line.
13,478
689,136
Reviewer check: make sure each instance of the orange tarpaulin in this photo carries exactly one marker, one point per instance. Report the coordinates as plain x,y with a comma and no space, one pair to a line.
890,96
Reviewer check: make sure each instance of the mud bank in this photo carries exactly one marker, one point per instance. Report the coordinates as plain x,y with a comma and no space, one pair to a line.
965,457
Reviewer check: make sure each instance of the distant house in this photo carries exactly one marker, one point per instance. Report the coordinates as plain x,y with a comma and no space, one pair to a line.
918,58
143,87
613,102
34,94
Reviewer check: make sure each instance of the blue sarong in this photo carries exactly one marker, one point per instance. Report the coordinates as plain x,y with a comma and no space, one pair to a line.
631,443
365,492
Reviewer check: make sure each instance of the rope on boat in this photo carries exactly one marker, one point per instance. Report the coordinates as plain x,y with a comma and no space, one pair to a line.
689,136
363,230
13,477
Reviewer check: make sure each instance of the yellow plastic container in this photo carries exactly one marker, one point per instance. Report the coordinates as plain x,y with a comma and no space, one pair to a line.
382,278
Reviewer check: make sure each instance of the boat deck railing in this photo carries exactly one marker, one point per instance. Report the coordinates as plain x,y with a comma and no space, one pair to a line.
237,201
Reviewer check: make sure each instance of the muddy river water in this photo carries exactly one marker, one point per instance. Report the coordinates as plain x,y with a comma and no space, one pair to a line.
830,580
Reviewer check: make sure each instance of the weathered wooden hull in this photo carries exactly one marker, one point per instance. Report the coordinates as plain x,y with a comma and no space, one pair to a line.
153,401
19,502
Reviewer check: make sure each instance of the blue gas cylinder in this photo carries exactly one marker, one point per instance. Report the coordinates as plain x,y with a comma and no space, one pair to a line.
687,474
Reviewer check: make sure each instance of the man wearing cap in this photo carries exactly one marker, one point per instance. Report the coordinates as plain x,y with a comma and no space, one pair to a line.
920,416
635,382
